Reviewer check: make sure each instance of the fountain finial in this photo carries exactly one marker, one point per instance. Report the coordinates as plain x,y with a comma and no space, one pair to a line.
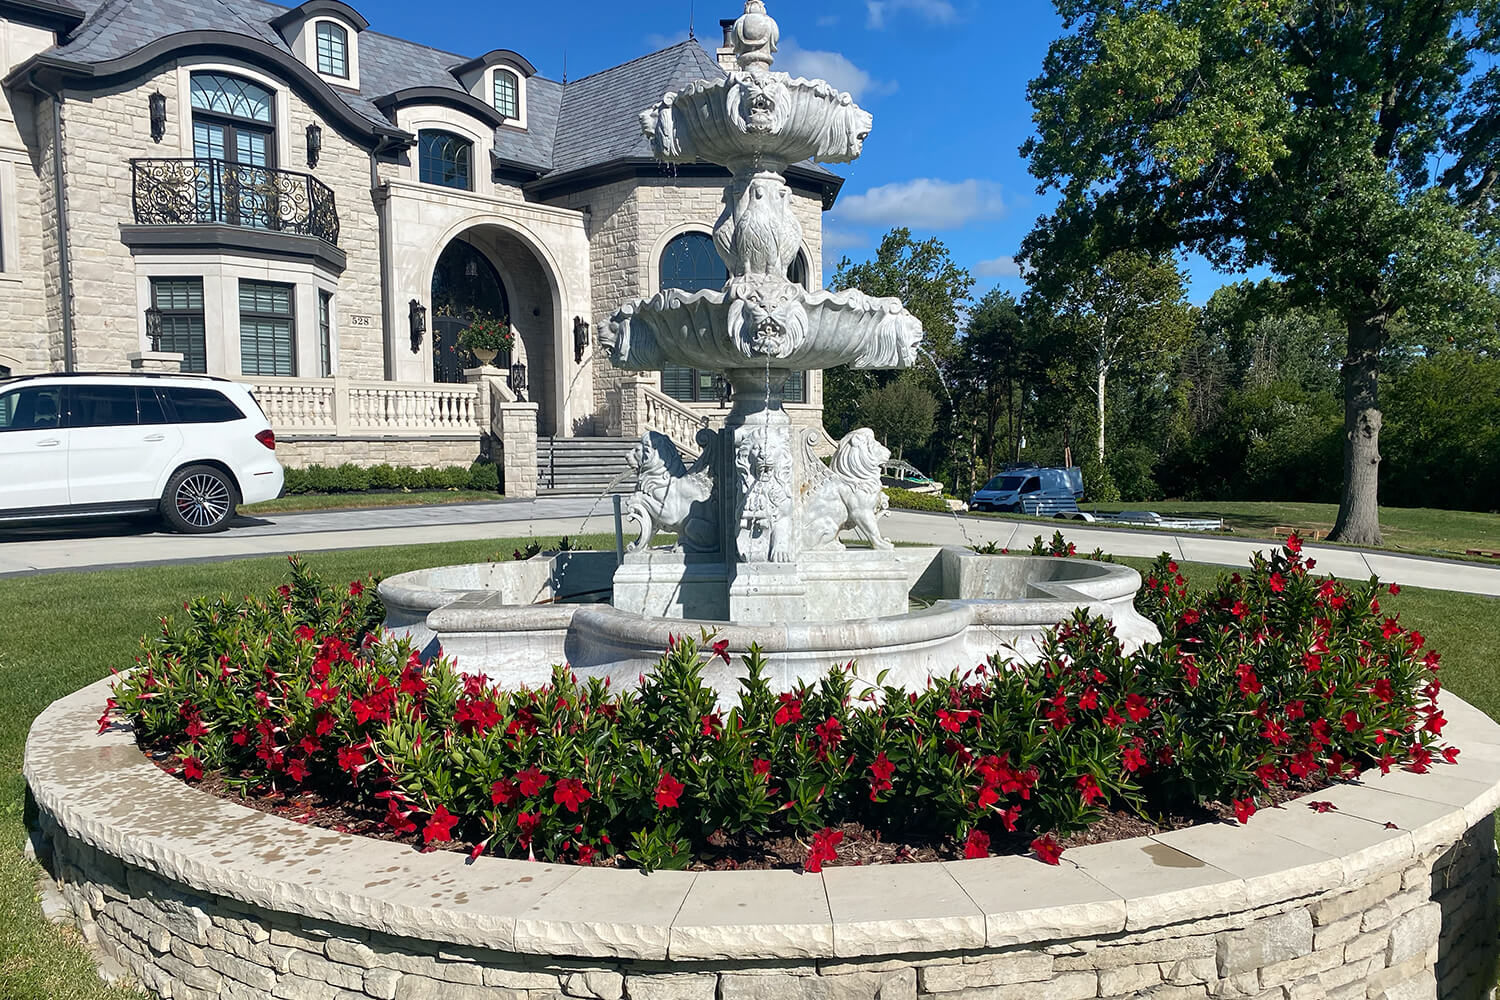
755,36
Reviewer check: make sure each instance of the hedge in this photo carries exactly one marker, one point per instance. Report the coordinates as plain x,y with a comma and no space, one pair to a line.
351,478
907,500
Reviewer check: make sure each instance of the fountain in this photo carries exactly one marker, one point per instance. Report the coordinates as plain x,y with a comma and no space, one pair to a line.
758,515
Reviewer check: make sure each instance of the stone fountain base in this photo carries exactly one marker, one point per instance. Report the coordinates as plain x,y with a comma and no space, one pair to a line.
513,621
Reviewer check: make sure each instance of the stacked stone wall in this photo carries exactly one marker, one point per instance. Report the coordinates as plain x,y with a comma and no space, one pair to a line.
299,453
1421,931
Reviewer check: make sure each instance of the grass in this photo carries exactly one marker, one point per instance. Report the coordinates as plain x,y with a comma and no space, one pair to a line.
1416,530
59,632
361,501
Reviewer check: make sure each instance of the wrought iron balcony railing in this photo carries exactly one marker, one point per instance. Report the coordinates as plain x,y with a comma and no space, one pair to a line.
186,192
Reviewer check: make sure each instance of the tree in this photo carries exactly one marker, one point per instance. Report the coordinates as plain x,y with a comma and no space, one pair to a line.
1125,309
933,288
900,413
1299,135
997,360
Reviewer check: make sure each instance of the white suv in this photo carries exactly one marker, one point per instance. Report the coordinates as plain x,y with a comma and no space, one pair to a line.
187,447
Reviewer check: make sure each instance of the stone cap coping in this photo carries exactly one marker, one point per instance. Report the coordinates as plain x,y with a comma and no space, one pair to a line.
101,790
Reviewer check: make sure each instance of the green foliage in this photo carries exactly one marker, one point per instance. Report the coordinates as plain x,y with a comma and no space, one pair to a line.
1442,442
1099,485
907,500
349,478
1266,680
901,413
487,333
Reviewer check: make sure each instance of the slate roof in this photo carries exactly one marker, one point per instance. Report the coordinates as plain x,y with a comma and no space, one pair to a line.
570,127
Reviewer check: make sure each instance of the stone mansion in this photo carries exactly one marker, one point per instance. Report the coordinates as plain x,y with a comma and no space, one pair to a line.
288,198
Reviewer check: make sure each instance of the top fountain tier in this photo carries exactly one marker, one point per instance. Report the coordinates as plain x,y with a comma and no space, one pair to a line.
754,119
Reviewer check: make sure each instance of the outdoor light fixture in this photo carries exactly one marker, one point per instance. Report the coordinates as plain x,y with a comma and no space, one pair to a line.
418,317
153,327
158,104
314,143
721,390
517,381
580,338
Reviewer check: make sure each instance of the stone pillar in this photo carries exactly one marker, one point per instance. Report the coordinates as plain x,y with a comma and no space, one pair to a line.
161,362
514,426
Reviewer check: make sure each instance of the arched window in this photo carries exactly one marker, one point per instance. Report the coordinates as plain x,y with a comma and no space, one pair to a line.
507,97
691,263
234,138
333,50
445,159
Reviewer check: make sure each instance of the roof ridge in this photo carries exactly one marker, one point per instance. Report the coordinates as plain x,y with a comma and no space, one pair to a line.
630,62
261,29
97,20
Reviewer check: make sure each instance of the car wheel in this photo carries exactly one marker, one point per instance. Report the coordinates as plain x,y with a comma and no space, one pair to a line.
199,499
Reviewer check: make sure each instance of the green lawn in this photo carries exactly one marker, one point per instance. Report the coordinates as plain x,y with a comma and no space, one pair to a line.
1418,530
354,501
61,631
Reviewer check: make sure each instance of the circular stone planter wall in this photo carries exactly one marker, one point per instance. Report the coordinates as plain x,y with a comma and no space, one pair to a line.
1392,895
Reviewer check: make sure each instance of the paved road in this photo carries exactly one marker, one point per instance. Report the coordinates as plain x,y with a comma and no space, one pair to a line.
96,546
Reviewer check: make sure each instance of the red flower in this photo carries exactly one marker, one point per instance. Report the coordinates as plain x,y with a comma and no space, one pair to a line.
1312,662
195,730
240,738
570,793
305,634
1275,733
1089,790
1296,709
1089,700
721,649
1390,629
399,821
763,767
1113,719
710,724
192,769
1047,849
829,734
296,769
978,844
586,854
824,849
532,781
1278,583
284,591
668,790
526,824
1435,723
1382,690
502,792
1190,616
1249,683
323,694
1133,759
1351,721
356,588
790,710
1136,707
1243,810
439,826
1239,610
351,760
1293,543
1321,807
1394,589
881,773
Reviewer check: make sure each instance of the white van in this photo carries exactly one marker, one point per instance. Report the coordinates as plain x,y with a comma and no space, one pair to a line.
189,448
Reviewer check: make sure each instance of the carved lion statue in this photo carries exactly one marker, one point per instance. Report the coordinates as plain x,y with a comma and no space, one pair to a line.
849,495
671,497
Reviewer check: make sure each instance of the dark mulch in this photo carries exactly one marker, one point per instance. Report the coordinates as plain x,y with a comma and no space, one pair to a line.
860,846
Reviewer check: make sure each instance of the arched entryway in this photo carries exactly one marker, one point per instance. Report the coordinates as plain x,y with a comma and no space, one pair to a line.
487,270
465,287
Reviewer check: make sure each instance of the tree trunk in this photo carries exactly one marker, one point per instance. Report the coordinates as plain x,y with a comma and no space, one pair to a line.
1359,508
1099,398
1020,424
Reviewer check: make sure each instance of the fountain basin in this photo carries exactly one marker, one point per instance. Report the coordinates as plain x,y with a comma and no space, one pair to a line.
513,621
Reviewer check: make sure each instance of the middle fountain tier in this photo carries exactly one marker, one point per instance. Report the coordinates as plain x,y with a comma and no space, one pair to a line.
758,514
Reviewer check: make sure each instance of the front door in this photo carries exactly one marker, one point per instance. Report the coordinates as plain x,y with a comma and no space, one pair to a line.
465,286
33,448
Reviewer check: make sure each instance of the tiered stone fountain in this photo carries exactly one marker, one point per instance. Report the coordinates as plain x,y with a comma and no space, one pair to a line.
758,516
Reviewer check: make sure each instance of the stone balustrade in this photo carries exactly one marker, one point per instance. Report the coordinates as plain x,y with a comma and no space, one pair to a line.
665,415
342,407
1389,895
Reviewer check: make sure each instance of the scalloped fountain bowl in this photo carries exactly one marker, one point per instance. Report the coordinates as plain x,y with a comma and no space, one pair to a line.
512,621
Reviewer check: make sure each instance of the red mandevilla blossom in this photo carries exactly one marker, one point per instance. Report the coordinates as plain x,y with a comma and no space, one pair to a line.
668,791
721,649
570,793
531,781
1136,707
1132,759
1243,810
881,773
356,588
1089,790
977,845
790,710
824,848
192,769
1277,583
439,826
1047,849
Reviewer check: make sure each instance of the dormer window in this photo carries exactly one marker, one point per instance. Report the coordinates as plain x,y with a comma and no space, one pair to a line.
333,50
445,159
507,94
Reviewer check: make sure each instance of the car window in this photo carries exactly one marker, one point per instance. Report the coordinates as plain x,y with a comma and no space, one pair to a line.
1032,485
101,405
148,405
201,406
1004,483
33,408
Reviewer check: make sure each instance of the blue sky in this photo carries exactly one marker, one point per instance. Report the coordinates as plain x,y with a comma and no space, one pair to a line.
945,80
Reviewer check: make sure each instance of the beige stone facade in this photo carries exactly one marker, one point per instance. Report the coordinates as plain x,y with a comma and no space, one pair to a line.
79,260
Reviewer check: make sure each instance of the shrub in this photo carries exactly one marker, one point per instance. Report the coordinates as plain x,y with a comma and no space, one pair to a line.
351,478
1269,680
485,477
907,500
384,477
1098,485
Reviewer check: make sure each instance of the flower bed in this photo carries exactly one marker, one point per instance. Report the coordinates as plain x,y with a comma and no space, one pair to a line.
1269,682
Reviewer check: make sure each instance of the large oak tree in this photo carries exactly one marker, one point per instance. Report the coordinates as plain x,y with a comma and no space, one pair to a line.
1350,147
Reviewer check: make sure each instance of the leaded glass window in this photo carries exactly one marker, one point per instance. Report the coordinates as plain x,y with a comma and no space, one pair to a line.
235,96
325,333
182,327
333,50
445,159
267,329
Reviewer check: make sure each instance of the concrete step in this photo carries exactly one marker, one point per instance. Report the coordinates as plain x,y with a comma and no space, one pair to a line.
583,466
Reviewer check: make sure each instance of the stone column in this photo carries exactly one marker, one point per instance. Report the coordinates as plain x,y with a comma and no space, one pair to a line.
161,362
515,430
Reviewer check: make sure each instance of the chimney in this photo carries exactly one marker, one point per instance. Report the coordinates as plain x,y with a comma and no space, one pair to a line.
726,53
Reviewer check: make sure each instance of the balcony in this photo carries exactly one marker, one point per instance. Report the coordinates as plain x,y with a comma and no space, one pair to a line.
217,193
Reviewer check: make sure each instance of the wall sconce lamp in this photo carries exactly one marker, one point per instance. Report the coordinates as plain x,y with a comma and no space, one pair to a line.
158,104
153,327
517,381
314,144
580,339
417,314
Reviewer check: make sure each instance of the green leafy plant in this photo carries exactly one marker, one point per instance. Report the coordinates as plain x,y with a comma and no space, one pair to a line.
908,500
487,333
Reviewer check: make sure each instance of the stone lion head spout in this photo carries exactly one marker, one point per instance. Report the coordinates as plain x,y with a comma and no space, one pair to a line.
760,104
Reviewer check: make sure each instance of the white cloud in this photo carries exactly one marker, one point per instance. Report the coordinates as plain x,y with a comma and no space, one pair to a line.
932,11
1000,267
657,41
834,67
924,203
827,20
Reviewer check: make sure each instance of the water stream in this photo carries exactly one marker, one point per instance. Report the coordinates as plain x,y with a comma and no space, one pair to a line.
601,497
